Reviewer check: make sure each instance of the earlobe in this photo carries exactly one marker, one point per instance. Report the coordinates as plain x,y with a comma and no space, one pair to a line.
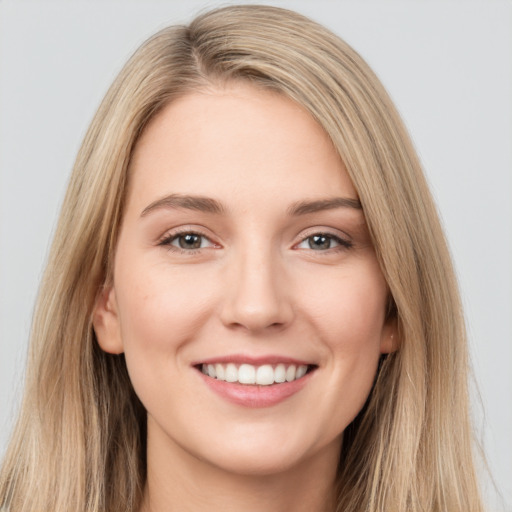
389,341
105,320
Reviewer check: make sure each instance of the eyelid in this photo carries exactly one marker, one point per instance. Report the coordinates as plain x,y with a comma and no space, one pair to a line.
323,230
173,233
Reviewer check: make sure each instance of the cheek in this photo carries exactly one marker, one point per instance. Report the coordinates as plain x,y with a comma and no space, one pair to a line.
160,311
349,319
351,313
160,305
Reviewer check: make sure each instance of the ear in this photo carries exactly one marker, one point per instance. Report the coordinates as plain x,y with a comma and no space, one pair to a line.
389,339
105,319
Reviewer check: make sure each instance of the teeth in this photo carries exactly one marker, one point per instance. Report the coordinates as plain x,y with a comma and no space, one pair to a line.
290,373
219,372
280,373
264,375
231,374
301,371
246,374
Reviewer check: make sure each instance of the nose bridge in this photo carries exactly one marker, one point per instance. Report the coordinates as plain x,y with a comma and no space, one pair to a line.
257,297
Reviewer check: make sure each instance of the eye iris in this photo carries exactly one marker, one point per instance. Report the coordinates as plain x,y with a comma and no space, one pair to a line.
190,241
318,242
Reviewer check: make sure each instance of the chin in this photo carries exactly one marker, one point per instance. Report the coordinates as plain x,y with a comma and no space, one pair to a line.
266,453
259,463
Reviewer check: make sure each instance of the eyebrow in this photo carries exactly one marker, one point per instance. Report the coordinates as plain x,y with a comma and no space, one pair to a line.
305,207
173,201
209,205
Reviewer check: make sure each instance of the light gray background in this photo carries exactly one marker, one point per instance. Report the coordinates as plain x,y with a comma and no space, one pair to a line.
447,65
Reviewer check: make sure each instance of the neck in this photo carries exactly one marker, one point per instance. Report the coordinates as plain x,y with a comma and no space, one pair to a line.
176,478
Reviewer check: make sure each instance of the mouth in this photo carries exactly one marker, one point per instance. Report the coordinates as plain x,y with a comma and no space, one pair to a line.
255,382
256,375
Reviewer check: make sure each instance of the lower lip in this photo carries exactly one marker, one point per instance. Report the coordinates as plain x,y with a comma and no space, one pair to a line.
255,396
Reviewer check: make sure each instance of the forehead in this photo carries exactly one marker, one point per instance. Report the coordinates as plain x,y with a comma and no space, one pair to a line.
238,140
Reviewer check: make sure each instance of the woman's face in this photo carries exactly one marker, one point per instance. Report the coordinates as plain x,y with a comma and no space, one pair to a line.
244,253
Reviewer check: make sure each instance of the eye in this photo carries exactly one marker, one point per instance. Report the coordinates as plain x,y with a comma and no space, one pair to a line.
187,241
323,242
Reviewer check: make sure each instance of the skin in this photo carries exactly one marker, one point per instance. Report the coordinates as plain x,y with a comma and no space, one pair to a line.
256,287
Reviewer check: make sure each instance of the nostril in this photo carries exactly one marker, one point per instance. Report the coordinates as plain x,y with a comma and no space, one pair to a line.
256,325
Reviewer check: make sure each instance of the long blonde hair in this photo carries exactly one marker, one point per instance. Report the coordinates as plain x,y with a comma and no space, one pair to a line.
79,443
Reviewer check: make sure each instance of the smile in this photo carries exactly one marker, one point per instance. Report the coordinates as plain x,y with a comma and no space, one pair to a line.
255,382
263,375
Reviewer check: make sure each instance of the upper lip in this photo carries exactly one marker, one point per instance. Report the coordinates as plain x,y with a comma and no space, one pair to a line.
253,360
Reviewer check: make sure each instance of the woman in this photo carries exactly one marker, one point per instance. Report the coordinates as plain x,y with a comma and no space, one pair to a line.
249,300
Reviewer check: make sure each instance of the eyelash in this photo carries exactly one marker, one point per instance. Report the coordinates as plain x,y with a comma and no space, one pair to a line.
343,243
166,241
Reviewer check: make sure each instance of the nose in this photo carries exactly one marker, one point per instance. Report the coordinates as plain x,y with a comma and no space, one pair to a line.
257,295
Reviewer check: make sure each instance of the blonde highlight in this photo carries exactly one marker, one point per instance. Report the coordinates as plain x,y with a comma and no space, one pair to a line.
81,424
